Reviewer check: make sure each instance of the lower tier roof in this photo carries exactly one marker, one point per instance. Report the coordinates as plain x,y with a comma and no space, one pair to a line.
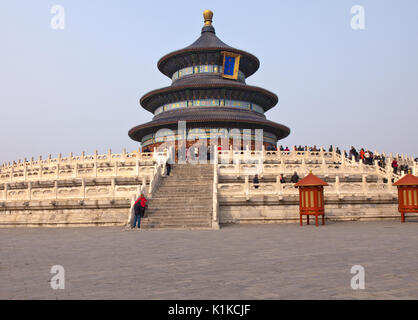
210,117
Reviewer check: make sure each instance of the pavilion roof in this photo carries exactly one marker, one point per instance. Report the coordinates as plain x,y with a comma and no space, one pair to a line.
311,180
407,180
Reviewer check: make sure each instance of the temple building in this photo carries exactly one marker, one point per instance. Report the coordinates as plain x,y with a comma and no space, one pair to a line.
208,94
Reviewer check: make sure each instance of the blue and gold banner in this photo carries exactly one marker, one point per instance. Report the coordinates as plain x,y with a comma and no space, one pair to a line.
230,65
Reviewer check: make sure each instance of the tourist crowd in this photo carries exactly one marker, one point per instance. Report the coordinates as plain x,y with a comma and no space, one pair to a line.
363,154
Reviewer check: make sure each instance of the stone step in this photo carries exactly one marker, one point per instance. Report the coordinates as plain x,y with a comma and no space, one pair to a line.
172,210
173,219
181,197
185,185
182,200
178,212
186,181
196,207
176,226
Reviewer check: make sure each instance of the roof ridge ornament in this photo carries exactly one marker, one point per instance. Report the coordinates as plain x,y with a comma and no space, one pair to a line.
207,27
208,15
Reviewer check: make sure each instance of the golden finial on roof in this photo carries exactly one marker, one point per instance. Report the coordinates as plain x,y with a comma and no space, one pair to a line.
207,14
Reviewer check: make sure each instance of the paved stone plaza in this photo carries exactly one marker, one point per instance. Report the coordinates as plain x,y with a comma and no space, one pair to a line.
282,261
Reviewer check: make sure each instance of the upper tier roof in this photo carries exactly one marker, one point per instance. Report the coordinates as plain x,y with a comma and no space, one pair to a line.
206,50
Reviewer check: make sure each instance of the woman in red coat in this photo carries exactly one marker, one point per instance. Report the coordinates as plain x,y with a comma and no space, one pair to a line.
139,210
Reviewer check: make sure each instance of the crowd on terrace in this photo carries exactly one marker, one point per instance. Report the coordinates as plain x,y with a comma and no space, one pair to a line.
365,155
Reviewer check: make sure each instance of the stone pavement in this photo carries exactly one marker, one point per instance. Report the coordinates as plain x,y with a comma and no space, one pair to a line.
283,261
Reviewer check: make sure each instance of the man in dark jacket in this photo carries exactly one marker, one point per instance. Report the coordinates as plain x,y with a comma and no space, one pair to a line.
256,181
139,210
295,178
168,168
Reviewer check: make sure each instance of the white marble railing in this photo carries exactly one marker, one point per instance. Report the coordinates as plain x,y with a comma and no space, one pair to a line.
279,189
159,170
215,204
76,191
241,163
96,166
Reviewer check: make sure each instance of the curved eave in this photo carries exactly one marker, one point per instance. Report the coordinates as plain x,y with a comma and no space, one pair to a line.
159,97
249,63
279,130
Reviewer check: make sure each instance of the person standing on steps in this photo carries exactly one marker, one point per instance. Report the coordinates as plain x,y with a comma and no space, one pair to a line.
139,210
168,168
256,181
294,178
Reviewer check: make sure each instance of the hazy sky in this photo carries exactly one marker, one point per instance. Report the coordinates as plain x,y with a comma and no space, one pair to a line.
78,89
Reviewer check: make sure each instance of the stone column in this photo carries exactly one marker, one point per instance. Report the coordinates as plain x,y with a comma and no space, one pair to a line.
246,188
337,185
95,163
124,154
137,167
29,190
364,186
278,185
6,189
83,188
113,188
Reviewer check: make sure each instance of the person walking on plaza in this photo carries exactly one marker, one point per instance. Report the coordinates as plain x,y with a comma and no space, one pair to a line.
139,210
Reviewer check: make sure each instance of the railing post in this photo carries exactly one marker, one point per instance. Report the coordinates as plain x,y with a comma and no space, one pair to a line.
321,153
246,188
83,188
376,165
303,165
364,187
95,163
343,161
137,167
215,204
278,185
29,190
324,166
113,188
361,165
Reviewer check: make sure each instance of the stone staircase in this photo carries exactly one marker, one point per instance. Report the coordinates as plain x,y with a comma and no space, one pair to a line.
183,200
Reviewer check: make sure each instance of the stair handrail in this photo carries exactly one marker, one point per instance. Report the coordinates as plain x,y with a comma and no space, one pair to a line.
215,204
159,169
